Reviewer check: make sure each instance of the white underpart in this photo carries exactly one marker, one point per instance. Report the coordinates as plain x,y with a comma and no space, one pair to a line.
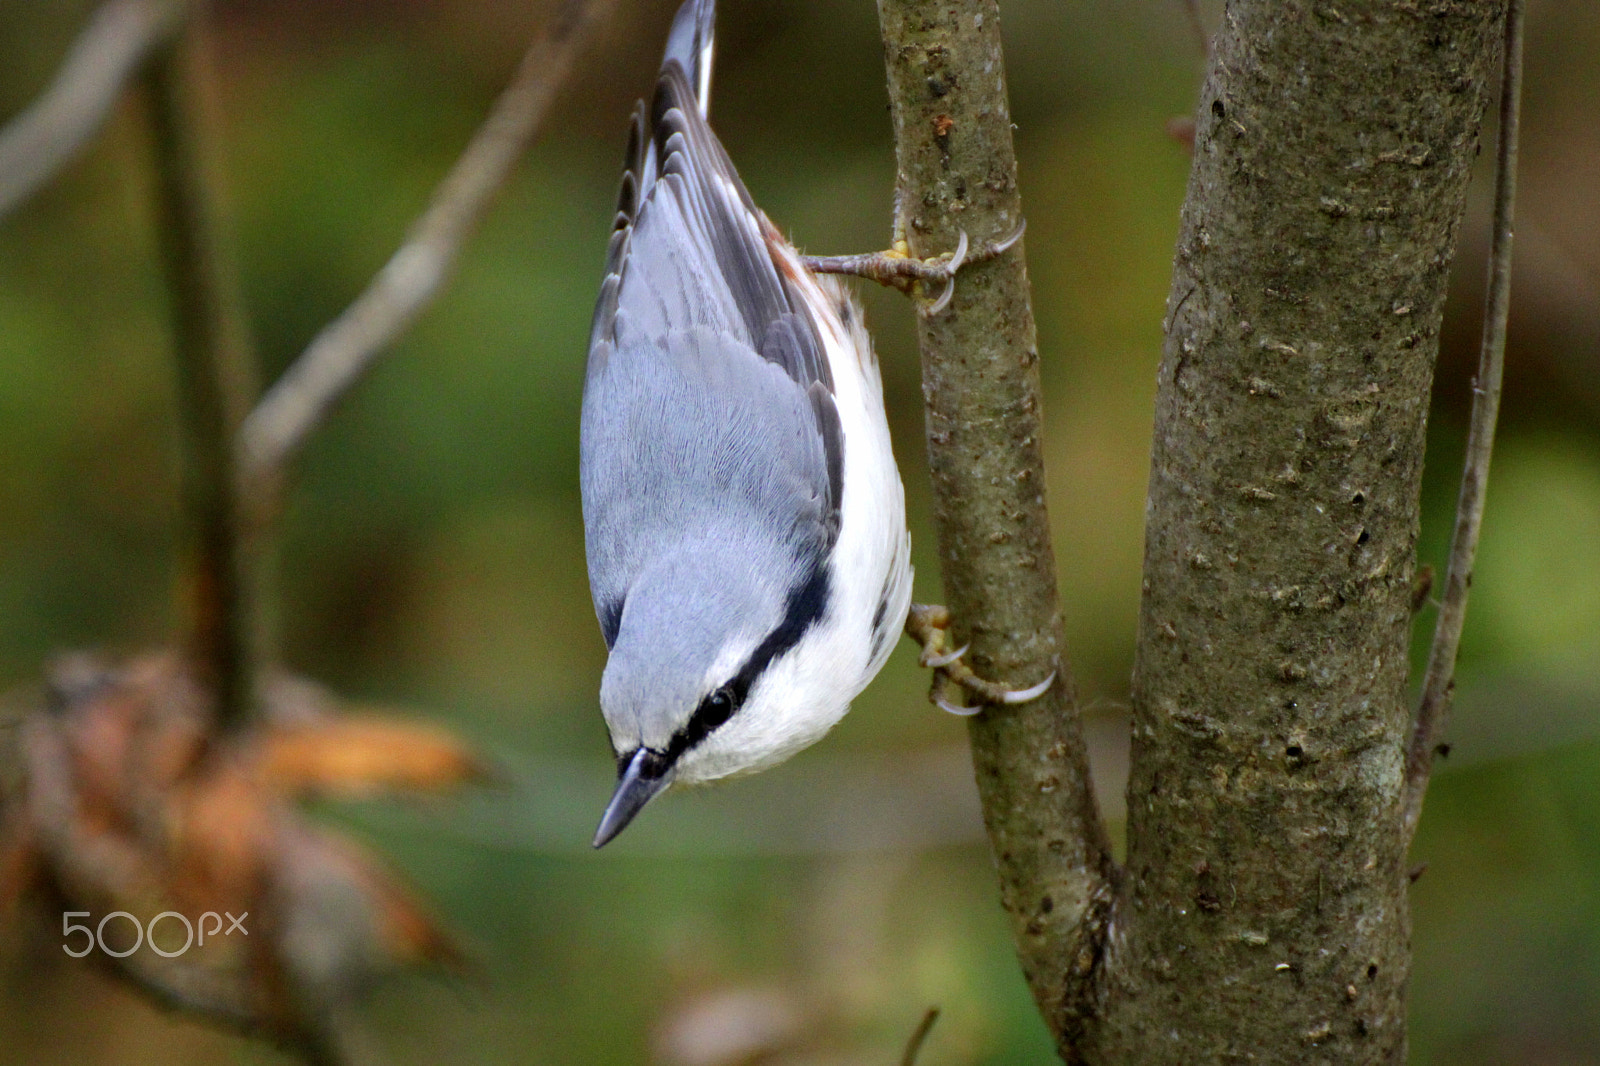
807,690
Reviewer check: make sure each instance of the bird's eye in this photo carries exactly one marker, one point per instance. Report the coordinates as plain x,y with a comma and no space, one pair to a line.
719,707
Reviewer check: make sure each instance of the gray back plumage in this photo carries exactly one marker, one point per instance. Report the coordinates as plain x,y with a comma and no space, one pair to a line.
711,456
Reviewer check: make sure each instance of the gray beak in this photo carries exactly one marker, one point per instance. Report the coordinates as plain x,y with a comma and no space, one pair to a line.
634,790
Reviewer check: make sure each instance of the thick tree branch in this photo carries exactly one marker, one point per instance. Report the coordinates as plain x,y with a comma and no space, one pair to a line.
347,346
1264,913
957,171
214,377
1438,684
51,131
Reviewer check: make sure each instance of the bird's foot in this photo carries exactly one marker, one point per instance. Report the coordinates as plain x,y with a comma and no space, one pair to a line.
929,625
896,267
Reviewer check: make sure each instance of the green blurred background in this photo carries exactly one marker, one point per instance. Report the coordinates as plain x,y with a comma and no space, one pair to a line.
432,550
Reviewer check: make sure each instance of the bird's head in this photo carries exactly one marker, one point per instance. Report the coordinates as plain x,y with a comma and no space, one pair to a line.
704,680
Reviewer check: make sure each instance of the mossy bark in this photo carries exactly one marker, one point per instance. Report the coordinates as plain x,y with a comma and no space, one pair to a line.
1264,916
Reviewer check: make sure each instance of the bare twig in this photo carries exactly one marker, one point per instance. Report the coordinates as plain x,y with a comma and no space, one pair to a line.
1438,683
51,131
339,1038
919,1036
213,371
337,356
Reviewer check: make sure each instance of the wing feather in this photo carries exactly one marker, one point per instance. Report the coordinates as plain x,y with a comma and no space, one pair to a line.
679,426
690,246
694,435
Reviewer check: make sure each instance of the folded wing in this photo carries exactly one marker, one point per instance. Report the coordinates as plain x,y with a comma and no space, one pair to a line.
709,397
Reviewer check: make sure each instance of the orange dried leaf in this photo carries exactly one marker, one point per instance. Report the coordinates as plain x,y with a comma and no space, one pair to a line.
358,756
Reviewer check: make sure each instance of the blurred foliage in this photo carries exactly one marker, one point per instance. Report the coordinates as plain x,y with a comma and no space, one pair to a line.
431,553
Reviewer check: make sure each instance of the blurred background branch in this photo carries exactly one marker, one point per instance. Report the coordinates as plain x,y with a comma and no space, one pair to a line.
158,784
215,376
918,1037
36,143
342,351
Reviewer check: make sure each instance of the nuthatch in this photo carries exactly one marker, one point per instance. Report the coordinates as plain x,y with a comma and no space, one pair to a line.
743,514
744,517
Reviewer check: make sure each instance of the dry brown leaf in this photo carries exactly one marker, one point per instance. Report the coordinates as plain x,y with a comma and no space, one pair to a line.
129,802
359,756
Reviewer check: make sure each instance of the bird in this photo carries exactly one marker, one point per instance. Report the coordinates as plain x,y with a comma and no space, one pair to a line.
744,517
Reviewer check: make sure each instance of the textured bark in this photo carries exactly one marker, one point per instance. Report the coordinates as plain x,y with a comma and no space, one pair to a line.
1264,916
957,171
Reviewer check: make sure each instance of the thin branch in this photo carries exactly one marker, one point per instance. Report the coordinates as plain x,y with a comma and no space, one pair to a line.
1438,683
338,1037
956,165
41,140
213,371
336,358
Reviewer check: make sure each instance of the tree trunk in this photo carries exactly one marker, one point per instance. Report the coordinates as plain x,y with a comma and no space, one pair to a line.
1265,915
1262,913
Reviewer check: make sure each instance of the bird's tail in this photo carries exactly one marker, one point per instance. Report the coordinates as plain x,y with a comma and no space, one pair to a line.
688,48
689,45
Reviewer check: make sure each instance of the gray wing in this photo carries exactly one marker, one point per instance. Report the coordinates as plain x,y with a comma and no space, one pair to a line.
688,248
707,390
696,443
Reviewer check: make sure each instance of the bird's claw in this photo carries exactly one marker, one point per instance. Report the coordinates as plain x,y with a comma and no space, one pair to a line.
994,248
960,710
949,269
1031,693
898,268
959,256
928,625
944,297
936,662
